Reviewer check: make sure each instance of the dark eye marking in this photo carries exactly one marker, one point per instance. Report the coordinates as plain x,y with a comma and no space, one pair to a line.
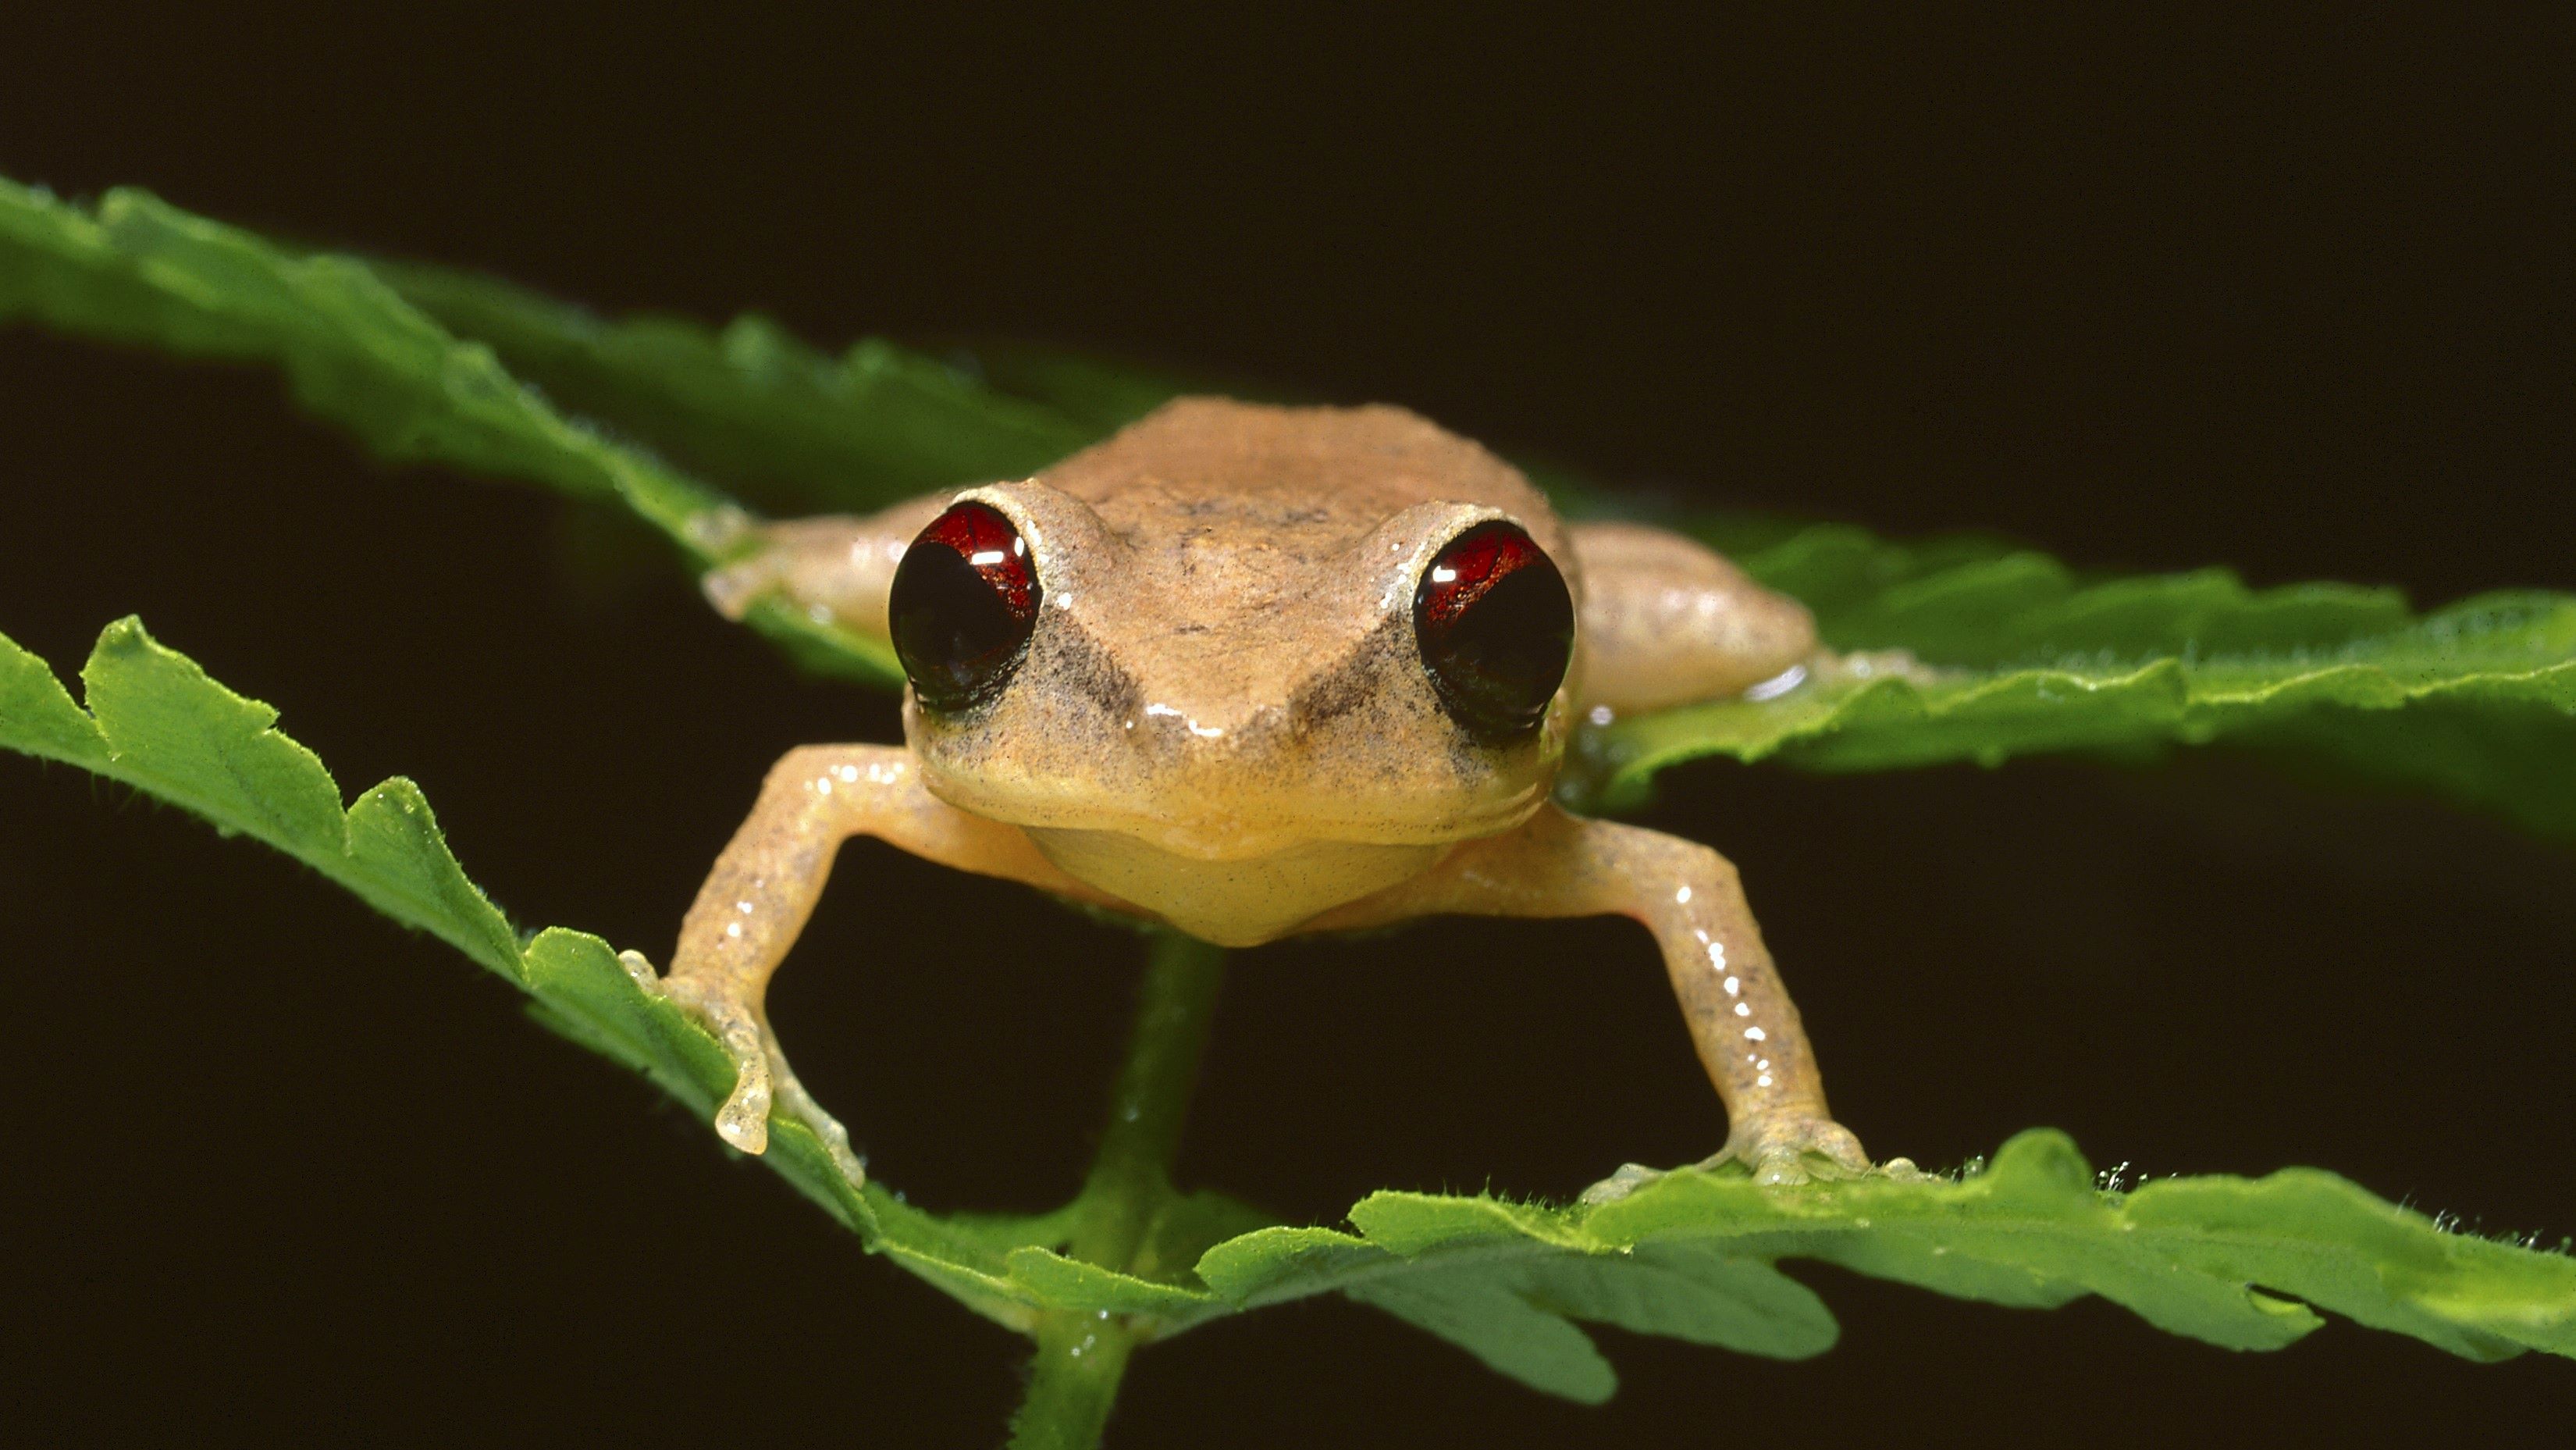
1350,685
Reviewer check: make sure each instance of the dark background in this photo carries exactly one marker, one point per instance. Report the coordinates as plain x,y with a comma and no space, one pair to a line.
2293,297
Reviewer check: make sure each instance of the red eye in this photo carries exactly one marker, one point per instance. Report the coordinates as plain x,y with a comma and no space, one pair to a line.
964,602
1495,625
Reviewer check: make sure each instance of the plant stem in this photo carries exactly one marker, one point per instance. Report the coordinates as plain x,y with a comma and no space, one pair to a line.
1072,1382
1081,1357
1131,1174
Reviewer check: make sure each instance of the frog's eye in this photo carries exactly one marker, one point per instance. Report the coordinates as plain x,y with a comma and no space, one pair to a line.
1495,625
964,601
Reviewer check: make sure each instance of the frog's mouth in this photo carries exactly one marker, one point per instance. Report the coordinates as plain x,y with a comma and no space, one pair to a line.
1245,827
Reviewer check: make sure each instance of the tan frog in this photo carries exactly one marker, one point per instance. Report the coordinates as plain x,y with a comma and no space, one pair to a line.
1253,672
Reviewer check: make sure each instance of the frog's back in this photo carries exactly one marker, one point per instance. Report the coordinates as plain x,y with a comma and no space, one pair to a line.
1307,482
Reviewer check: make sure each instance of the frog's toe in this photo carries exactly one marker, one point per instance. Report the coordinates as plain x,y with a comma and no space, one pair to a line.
720,530
1629,1178
734,588
800,1105
743,1121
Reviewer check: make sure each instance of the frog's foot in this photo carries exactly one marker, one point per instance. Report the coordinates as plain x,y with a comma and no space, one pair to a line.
761,1075
1791,1147
800,1105
1780,1149
743,1121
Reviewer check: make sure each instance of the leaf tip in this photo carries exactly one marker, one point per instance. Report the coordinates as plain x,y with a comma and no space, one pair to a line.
2040,1161
127,633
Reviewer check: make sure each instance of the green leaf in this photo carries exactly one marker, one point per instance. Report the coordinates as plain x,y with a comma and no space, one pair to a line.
188,740
1514,1309
1101,394
400,864
2477,700
2228,1260
753,404
1689,1256
355,353
37,716
169,730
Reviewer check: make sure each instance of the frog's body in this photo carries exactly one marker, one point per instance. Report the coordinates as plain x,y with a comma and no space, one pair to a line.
1221,709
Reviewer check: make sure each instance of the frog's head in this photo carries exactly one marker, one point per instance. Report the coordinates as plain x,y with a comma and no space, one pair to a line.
1222,667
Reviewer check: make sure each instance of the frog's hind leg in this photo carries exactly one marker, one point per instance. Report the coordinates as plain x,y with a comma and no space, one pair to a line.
836,568
763,889
1667,621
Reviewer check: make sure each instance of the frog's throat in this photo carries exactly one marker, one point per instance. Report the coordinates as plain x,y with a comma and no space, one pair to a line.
1234,901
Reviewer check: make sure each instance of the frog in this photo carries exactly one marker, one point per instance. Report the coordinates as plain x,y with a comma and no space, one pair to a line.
1248,671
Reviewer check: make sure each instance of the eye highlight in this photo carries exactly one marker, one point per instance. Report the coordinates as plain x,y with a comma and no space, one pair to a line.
964,602
1495,626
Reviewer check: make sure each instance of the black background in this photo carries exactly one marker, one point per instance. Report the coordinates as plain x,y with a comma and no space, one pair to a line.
2293,296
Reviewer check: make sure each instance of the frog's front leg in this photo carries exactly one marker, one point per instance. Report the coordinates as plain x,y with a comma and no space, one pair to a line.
1746,1029
764,887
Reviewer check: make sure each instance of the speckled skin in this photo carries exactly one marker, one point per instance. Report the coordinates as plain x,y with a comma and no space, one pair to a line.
1222,723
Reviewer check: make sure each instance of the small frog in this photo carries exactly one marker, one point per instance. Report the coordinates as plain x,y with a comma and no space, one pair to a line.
1253,672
